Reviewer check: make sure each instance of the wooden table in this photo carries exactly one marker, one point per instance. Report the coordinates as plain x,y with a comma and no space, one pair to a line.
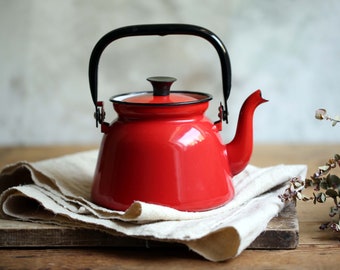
316,250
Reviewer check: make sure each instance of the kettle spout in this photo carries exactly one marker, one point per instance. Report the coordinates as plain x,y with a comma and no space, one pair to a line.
241,147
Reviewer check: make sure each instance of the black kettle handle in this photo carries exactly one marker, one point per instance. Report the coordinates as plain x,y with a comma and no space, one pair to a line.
161,30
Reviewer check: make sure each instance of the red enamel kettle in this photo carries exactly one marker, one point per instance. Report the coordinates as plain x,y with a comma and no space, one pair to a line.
162,149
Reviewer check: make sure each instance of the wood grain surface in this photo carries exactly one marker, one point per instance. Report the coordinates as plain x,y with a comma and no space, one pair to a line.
316,249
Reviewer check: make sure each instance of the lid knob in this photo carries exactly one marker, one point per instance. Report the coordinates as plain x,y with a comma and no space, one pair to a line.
161,85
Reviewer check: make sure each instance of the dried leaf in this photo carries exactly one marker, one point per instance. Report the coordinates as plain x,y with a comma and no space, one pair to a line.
299,196
332,193
324,168
334,181
324,184
321,197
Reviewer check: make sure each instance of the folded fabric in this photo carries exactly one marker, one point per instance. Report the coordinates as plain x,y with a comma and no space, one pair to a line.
58,191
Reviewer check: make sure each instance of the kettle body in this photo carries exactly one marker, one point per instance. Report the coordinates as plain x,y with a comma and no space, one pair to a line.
172,156
162,149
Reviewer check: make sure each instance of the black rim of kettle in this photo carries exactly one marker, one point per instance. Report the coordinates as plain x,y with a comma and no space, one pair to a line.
205,97
161,30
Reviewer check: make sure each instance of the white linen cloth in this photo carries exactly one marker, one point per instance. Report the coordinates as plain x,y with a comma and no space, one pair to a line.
58,191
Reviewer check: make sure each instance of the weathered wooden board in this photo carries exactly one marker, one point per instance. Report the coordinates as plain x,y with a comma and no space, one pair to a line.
282,233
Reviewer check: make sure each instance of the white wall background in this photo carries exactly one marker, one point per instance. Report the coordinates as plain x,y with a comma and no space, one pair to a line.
290,49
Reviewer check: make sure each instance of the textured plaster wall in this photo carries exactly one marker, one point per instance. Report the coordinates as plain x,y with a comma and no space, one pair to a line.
289,49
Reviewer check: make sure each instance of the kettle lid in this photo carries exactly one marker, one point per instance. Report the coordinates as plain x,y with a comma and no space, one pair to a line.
161,94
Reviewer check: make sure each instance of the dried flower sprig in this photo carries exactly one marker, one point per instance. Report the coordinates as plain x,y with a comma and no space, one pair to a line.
294,191
321,114
326,185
